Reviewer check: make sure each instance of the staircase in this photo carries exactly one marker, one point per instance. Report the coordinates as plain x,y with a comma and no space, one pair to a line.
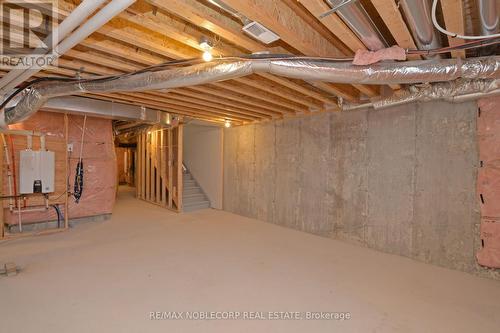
193,197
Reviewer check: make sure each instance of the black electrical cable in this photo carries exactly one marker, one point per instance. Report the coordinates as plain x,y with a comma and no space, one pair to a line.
59,214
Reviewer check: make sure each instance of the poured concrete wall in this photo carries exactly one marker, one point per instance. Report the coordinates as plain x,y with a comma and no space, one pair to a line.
401,180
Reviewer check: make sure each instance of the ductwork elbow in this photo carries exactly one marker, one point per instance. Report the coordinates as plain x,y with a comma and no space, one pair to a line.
418,18
488,17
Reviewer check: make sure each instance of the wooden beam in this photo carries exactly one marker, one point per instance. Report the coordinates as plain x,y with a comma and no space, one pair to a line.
287,106
204,96
390,14
291,28
172,108
297,87
453,12
372,91
241,98
335,90
202,16
176,110
302,100
148,16
206,104
334,24
189,106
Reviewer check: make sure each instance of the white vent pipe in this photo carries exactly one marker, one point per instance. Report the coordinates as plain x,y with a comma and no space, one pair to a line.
94,23
70,23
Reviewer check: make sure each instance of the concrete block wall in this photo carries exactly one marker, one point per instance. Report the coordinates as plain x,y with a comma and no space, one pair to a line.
400,180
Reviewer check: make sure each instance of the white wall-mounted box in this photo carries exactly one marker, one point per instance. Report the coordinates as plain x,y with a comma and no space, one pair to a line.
36,171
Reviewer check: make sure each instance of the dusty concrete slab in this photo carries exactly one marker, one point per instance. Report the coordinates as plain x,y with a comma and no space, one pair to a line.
108,277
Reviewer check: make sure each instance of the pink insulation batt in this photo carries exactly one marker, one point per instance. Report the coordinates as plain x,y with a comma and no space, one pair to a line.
488,182
99,160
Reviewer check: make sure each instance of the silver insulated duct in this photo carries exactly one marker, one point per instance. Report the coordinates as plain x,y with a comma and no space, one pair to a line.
314,69
418,17
356,17
488,17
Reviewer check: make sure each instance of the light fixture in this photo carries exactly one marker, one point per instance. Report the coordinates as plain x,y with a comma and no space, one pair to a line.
227,124
206,46
207,56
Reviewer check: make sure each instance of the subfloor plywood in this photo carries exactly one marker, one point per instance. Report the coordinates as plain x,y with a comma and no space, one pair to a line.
109,276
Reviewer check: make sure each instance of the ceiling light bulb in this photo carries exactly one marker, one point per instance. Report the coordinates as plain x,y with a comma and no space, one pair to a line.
227,124
207,56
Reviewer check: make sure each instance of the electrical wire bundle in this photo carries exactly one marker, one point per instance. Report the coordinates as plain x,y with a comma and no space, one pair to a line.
78,186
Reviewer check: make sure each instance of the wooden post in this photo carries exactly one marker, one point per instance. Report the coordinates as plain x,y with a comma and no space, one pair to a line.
66,172
2,231
163,169
170,169
180,182
158,166
137,171
148,166
143,164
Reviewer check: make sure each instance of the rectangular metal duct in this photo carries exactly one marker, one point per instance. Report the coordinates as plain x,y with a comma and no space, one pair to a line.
105,109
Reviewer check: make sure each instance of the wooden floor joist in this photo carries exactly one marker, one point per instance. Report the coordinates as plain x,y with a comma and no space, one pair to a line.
152,32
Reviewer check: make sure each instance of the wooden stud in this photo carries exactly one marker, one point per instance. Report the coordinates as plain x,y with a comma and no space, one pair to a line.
170,169
164,162
144,164
180,182
390,14
453,12
138,187
148,166
66,172
159,163
2,227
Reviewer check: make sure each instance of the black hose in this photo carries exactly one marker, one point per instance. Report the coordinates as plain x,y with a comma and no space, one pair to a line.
59,214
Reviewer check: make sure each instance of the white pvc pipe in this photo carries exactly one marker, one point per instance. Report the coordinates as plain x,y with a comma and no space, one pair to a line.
74,19
94,23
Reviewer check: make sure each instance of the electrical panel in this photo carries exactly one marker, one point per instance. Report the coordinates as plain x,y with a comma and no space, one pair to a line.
36,171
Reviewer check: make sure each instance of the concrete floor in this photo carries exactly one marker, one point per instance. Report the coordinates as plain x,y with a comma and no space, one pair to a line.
109,276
